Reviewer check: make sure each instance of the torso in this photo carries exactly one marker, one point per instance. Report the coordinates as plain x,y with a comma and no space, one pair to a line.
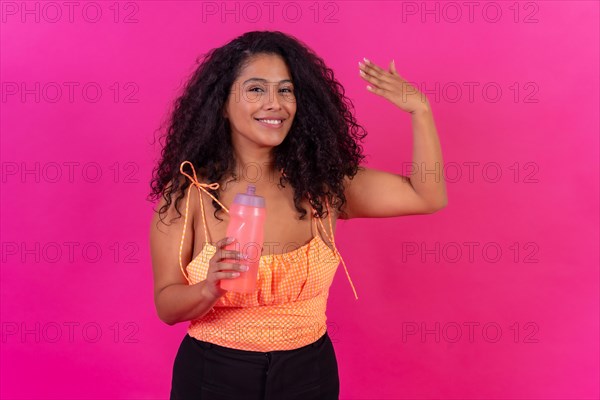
284,231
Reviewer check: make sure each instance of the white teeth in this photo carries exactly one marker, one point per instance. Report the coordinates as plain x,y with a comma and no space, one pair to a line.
271,121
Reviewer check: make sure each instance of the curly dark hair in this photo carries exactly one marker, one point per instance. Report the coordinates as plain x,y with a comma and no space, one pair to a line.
319,151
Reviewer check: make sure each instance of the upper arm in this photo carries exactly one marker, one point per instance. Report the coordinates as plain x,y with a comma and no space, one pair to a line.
165,239
378,194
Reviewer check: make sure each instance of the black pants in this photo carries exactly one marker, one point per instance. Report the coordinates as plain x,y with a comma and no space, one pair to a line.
205,371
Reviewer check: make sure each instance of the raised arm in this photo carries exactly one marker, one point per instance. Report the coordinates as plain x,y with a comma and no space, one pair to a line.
378,194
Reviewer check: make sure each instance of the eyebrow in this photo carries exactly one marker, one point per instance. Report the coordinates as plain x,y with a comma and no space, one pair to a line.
264,80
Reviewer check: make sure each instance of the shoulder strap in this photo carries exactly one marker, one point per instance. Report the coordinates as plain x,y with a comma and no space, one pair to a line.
200,186
332,240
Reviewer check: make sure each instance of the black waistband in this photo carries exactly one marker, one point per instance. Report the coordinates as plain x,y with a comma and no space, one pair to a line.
209,345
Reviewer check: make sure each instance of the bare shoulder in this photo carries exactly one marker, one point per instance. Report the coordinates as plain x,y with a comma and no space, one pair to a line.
166,232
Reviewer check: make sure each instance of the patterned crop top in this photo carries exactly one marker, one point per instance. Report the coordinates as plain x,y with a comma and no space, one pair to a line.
287,309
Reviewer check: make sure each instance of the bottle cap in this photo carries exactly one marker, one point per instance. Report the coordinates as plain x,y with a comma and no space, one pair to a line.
250,198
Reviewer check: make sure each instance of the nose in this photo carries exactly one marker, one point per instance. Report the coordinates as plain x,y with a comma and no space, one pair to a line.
272,101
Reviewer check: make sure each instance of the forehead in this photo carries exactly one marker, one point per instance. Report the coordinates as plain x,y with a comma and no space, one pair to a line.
269,67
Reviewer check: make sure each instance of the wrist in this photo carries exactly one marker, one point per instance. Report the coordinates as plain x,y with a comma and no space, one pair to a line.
423,109
206,294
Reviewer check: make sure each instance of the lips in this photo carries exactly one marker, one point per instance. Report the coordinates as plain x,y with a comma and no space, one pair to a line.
271,118
270,125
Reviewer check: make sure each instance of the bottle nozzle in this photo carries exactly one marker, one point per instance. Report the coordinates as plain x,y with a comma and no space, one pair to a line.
250,198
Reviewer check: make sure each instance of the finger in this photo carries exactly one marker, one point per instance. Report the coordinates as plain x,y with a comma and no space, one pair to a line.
221,244
233,267
225,241
393,68
232,254
226,275
384,84
377,83
376,72
376,90
394,71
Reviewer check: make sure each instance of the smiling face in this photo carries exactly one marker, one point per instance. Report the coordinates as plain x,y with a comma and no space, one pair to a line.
261,106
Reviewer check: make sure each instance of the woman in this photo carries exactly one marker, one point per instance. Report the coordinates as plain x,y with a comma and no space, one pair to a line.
264,109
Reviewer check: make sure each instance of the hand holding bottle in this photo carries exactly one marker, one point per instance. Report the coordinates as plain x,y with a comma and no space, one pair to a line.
219,269
246,224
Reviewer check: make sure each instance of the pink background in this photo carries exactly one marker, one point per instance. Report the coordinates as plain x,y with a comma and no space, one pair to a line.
82,324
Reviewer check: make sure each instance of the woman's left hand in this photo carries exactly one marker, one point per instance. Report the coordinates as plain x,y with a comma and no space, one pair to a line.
393,87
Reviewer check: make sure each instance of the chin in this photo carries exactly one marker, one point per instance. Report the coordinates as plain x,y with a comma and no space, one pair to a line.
272,139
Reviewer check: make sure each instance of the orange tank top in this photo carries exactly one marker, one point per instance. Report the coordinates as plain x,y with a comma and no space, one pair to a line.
287,309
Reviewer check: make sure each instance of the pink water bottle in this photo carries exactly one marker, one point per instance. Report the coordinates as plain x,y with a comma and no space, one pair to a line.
247,219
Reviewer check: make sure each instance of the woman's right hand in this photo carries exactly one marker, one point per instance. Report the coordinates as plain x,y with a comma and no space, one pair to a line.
217,269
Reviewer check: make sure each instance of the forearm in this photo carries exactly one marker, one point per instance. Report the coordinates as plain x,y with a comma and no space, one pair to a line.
427,178
181,302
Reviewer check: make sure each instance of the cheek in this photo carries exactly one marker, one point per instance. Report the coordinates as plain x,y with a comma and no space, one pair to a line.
291,108
242,114
249,108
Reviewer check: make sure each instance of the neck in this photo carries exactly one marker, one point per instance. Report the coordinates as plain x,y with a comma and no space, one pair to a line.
256,166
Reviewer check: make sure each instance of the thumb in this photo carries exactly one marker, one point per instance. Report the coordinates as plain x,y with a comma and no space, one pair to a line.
393,68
